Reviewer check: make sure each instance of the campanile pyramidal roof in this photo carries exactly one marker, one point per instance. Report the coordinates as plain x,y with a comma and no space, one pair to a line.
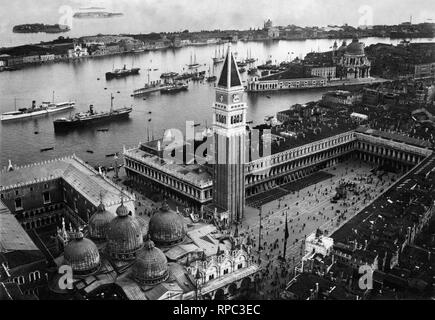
229,75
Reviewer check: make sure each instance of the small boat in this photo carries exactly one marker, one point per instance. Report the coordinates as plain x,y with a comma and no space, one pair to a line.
249,58
198,77
105,88
149,112
89,151
103,130
176,87
268,97
36,132
120,73
110,155
211,78
47,149
252,71
168,75
98,78
241,70
150,87
193,64
218,57
196,124
184,76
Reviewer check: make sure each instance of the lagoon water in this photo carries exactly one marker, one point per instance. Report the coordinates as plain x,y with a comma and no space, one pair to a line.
78,81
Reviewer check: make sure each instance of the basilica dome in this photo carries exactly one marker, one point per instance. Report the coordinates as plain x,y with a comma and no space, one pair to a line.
124,235
151,265
81,254
355,48
166,227
99,222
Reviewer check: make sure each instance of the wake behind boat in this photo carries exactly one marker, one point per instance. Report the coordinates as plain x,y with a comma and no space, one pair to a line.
34,111
90,117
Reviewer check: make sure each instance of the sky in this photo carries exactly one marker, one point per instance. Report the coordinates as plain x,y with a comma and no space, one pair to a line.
176,15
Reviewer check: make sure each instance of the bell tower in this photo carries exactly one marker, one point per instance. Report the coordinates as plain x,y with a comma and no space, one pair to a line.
229,124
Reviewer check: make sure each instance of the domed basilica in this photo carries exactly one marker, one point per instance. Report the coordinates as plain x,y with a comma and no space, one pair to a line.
351,60
173,256
115,257
166,227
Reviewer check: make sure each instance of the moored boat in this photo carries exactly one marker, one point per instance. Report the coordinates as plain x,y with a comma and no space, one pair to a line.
175,87
90,117
34,111
120,73
150,87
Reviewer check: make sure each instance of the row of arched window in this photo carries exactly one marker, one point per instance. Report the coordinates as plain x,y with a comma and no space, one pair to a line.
32,277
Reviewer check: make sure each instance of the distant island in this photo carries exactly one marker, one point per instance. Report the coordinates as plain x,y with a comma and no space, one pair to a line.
92,8
40,27
96,14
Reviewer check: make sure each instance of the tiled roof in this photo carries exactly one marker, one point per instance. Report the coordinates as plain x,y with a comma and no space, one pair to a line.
15,244
74,171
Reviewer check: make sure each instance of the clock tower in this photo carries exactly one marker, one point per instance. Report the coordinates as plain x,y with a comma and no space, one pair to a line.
229,125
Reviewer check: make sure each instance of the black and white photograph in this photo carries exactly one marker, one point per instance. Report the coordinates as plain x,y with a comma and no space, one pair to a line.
217,154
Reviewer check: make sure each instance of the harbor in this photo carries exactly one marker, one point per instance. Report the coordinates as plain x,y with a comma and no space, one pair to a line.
84,82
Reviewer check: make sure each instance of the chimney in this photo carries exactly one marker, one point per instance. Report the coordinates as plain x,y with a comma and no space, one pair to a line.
33,104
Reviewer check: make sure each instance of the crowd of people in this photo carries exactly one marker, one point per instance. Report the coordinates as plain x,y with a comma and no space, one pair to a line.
325,205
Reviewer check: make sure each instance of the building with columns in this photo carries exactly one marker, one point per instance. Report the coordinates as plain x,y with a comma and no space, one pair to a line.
290,160
39,195
351,60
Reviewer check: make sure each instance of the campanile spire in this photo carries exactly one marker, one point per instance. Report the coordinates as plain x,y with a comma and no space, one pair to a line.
229,126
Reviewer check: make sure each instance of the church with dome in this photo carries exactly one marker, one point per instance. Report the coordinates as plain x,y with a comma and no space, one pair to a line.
166,255
351,60
125,256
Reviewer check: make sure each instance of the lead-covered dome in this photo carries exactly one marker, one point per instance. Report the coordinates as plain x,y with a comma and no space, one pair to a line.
81,254
166,226
124,235
355,48
99,222
151,265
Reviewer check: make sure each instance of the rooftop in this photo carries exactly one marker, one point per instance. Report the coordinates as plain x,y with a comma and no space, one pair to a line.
191,173
385,221
290,73
395,137
15,244
74,171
